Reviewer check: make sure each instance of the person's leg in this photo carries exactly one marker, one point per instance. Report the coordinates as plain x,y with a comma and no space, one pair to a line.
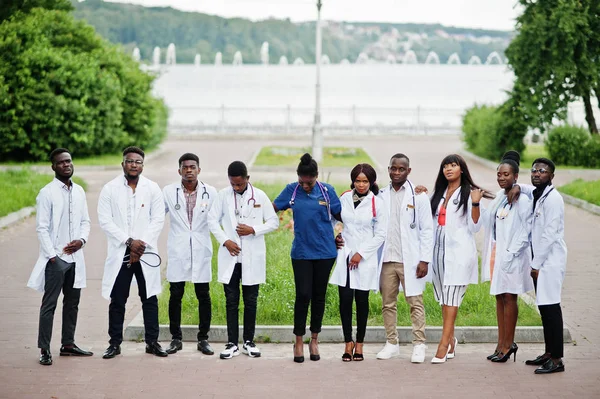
389,285
447,342
232,302
346,298
250,293
116,308
70,307
547,330
555,325
303,276
149,306
176,290
500,320
54,278
417,311
511,313
362,316
321,271
204,309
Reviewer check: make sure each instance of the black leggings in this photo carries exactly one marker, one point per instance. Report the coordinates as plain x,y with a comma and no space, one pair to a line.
311,278
347,295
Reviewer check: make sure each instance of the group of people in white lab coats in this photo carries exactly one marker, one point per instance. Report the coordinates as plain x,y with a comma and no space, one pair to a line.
390,238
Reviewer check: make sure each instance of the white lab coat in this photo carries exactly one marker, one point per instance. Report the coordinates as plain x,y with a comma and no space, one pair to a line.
460,250
513,253
417,243
149,218
548,244
189,250
49,208
363,235
223,221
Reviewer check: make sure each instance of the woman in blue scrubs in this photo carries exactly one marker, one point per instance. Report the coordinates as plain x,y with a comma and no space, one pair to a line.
315,207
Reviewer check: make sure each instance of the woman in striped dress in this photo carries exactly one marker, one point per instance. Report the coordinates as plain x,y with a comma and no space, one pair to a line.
455,207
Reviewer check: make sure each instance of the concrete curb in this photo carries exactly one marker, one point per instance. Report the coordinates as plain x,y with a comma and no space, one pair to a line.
466,335
587,206
15,217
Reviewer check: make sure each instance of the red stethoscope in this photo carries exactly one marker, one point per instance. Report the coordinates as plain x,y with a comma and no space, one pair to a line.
251,199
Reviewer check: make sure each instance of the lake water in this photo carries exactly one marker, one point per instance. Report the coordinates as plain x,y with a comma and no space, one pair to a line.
353,97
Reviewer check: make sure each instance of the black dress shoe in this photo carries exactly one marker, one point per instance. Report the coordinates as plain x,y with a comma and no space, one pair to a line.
155,349
46,358
205,348
74,350
174,346
538,361
111,352
550,367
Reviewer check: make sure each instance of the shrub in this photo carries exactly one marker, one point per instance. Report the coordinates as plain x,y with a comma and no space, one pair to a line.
62,85
566,145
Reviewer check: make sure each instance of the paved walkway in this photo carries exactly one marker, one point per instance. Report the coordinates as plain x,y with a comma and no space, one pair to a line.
190,374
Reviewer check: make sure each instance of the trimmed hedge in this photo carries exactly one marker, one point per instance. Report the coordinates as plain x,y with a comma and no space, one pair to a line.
61,85
573,145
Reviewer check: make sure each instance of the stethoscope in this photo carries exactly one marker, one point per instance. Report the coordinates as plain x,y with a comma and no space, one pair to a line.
541,201
251,199
323,191
204,193
414,208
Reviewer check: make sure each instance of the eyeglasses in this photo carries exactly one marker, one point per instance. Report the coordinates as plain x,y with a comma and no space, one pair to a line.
540,170
133,161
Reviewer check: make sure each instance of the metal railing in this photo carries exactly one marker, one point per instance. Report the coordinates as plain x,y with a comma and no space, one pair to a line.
298,121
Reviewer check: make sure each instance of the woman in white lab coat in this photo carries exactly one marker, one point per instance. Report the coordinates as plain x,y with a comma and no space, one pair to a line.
455,206
358,262
506,254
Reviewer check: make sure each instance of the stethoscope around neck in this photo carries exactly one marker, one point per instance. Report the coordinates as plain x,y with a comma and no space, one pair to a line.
323,191
413,225
204,193
251,199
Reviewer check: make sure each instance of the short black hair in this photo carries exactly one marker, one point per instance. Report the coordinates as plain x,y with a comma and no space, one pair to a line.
135,150
56,152
237,168
307,166
188,156
547,162
400,156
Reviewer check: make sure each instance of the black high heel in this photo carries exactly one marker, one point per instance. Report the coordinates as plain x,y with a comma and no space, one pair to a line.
314,357
347,356
298,359
503,358
493,355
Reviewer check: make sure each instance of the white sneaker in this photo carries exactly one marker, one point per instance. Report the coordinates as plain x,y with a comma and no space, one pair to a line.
389,351
250,349
230,351
418,355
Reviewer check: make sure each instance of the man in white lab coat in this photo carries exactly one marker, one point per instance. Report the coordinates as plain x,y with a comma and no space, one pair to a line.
63,227
407,252
189,248
239,220
549,262
131,212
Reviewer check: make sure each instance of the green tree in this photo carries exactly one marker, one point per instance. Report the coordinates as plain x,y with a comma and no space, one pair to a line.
10,7
555,59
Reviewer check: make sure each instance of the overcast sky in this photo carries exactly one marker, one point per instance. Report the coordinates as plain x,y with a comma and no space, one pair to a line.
487,14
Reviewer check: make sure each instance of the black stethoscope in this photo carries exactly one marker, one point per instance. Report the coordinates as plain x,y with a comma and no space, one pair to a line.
540,203
204,193
251,199
324,191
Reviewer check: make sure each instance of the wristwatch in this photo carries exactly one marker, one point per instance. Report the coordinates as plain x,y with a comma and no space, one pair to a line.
129,241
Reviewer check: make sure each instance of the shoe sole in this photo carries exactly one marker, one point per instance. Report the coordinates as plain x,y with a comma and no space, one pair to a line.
249,354
417,361
387,358
74,354
234,354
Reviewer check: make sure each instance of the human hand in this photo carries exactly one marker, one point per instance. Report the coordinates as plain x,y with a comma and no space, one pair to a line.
422,269
339,241
244,230
73,247
421,189
137,247
232,247
476,195
354,261
513,194
534,274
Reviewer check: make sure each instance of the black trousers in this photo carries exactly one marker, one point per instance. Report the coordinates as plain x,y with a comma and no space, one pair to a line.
118,300
59,275
347,296
204,308
552,323
311,278
232,302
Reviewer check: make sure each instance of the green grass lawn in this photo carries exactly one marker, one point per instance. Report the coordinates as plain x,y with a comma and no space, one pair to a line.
276,297
19,188
586,190
332,156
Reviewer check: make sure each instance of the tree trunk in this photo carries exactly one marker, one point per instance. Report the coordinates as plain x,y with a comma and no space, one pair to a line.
589,114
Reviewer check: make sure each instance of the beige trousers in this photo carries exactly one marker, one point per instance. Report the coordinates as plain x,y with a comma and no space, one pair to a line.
392,275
